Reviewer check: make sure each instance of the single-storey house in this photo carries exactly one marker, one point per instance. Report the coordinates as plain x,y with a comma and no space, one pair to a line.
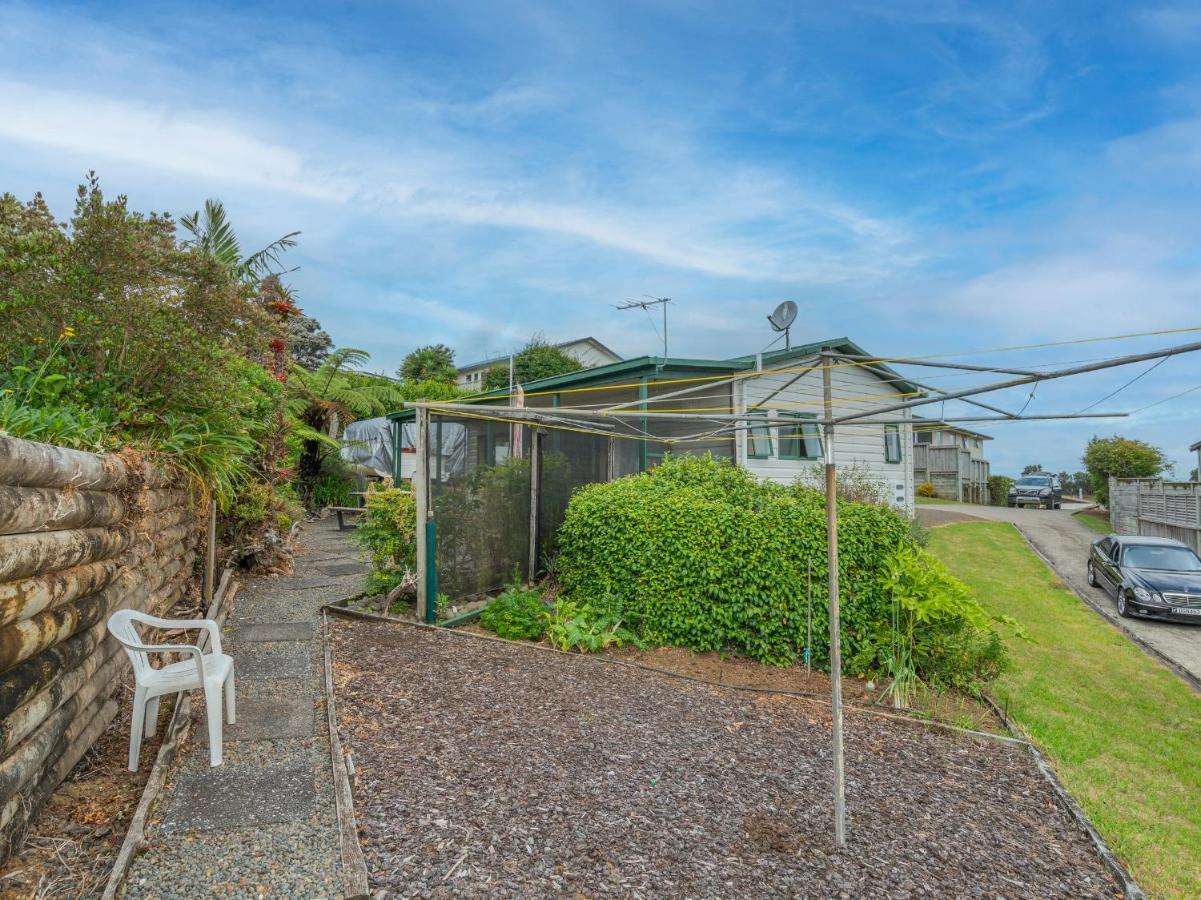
780,389
952,459
588,352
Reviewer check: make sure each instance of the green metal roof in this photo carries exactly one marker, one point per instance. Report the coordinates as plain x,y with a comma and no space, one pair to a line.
644,366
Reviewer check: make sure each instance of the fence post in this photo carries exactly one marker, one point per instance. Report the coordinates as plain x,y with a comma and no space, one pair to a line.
421,492
535,496
210,554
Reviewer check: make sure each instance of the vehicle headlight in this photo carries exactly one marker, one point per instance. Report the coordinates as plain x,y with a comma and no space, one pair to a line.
1145,596
1045,492
1013,490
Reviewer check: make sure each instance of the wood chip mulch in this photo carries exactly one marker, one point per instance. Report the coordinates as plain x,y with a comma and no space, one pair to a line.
493,769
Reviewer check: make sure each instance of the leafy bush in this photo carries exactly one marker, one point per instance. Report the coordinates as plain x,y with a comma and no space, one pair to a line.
697,553
926,489
587,628
335,483
998,489
937,629
855,482
517,614
1121,457
388,531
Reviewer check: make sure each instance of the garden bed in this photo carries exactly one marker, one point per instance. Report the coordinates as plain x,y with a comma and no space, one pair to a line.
72,844
498,769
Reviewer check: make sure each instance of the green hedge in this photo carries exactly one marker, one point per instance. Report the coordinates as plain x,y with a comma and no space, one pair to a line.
698,553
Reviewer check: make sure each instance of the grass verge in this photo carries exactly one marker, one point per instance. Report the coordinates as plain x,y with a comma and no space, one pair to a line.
1097,521
932,501
1122,731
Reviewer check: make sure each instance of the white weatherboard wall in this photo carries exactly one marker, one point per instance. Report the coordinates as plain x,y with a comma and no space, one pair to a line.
854,388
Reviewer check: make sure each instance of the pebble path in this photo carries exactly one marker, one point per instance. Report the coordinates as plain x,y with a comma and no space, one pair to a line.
264,822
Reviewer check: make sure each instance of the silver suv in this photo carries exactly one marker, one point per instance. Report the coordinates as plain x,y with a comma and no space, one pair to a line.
1038,489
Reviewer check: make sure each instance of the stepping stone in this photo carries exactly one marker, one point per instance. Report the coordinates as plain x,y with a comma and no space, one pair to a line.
346,569
231,798
298,584
293,664
275,718
282,631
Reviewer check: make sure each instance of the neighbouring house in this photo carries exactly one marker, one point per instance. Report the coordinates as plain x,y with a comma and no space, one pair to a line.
782,389
589,352
952,459
1196,448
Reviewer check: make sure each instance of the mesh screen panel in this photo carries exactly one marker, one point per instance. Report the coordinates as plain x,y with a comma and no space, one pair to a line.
480,497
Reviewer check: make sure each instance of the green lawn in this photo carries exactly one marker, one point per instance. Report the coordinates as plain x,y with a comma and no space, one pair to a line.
1096,523
1123,732
931,501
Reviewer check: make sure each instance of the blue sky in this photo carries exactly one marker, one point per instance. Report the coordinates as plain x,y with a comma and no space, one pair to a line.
922,177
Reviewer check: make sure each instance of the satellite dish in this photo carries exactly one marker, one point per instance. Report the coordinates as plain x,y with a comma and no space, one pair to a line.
781,320
784,315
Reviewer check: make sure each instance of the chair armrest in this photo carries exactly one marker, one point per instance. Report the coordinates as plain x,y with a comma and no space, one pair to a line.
170,648
187,625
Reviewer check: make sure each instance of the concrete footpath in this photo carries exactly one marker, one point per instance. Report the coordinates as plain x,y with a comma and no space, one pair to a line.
1065,543
264,822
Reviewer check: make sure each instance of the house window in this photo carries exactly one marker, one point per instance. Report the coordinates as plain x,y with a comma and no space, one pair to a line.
922,437
799,437
758,438
892,443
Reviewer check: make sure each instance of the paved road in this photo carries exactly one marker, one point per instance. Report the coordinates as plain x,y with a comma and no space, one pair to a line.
1064,542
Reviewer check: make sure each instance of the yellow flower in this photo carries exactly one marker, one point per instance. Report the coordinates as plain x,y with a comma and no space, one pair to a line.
67,332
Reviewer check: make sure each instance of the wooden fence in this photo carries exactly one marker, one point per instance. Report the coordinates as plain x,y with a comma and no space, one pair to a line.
952,471
81,535
1158,508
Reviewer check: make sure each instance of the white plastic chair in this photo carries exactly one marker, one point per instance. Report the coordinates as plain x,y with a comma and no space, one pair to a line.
213,671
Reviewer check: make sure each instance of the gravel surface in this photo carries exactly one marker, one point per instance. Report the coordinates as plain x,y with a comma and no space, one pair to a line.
499,770
264,822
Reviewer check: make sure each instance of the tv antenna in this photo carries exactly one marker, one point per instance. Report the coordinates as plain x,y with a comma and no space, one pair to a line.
646,305
781,319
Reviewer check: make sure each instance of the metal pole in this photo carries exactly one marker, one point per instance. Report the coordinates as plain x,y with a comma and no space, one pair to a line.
665,302
840,814
421,492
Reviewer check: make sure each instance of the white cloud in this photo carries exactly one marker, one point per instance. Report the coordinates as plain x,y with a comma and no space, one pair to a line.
176,139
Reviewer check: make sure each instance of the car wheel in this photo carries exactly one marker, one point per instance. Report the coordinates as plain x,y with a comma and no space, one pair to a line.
1123,609
1092,575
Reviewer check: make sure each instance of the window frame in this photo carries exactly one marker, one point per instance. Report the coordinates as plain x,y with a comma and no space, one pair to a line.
798,418
900,450
750,434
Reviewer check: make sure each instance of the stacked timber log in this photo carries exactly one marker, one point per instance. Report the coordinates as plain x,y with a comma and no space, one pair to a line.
81,536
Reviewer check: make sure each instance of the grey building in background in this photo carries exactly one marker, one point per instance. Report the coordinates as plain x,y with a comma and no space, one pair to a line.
952,459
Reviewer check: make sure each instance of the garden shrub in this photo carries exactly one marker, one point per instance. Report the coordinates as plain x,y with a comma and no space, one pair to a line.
700,554
387,529
998,489
926,489
587,627
517,614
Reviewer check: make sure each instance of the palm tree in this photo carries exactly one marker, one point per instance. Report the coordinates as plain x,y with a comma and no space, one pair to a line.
212,234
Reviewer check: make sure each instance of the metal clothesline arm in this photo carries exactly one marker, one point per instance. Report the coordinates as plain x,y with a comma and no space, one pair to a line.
1029,379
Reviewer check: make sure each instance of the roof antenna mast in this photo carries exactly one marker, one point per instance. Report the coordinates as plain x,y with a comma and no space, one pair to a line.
646,306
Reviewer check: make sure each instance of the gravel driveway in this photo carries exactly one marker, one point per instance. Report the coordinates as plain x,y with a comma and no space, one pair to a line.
1065,542
501,770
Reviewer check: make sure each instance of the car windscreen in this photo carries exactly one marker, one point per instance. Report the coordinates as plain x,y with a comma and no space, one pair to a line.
1153,556
1033,481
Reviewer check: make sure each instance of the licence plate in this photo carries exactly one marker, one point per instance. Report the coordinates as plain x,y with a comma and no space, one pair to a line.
1186,611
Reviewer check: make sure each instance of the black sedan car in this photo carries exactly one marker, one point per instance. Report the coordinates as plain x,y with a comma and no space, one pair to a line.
1150,577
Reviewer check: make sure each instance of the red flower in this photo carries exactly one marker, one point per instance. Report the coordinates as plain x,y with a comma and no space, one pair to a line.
278,345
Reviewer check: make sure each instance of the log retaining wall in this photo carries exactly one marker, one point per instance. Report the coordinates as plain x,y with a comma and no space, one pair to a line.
81,536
